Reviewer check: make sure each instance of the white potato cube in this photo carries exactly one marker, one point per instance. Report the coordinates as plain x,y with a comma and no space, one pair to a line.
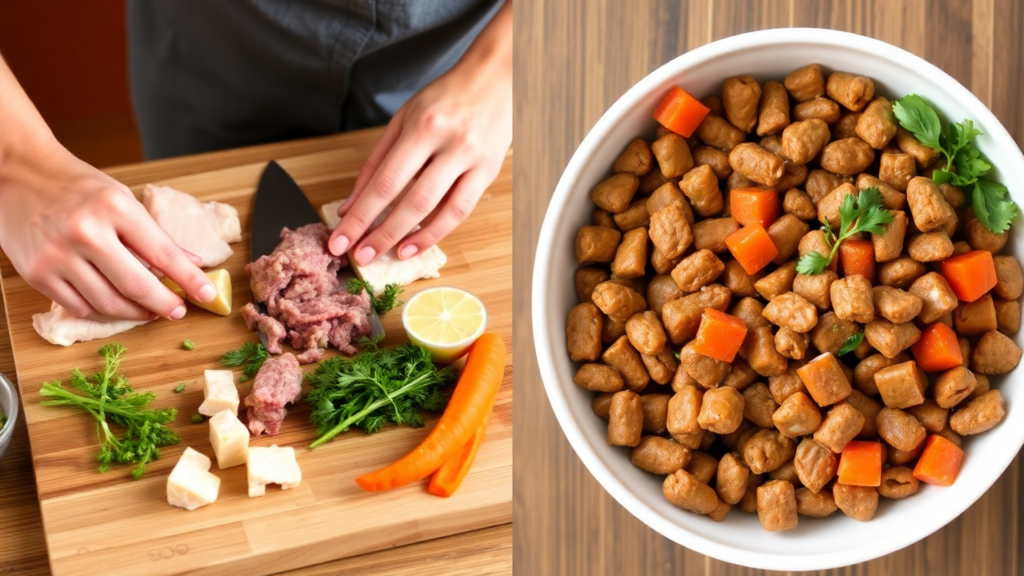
230,439
220,392
272,465
191,485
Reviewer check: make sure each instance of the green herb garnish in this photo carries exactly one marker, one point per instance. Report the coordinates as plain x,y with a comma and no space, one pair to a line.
251,354
109,398
851,344
197,418
188,345
965,165
180,387
865,214
377,386
3,420
381,304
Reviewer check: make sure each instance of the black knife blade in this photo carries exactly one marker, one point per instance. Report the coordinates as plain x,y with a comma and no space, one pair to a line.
280,203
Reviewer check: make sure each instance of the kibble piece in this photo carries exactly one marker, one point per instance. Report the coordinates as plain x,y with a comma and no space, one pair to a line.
832,332
711,234
923,155
773,110
721,410
995,353
799,204
635,159
901,272
867,406
853,92
583,332
623,357
816,288
891,339
625,419
852,299
718,160
954,386
899,429
673,155
786,233
898,170
937,297
889,244
716,131
758,405
708,372
776,506
978,317
792,311
932,416
732,479
980,237
797,416
701,188
847,157
902,385
670,232
777,282
805,83
791,344
667,194
815,463
598,377
757,164
842,424
615,193
655,412
895,305
659,455
979,415
703,465
661,367
1009,277
820,505
631,255
825,380
740,98
596,244
646,333
802,141
898,482
697,270
681,317
877,125
767,450
857,502
586,280
930,246
762,355
619,302
824,109
687,492
1007,316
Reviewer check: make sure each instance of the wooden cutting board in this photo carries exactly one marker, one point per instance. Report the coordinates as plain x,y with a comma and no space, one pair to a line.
109,523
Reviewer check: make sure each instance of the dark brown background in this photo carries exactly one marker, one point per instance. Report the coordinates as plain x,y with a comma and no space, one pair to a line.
574,58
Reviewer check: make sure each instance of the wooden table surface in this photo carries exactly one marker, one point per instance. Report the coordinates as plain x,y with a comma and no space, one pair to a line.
22,545
574,58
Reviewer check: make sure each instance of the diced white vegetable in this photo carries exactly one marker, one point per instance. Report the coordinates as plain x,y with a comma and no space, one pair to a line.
220,392
230,439
191,484
272,465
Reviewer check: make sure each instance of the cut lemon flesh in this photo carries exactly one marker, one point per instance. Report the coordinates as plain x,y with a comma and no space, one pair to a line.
445,321
221,279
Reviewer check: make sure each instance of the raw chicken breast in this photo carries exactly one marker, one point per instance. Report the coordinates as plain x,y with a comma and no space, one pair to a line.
389,268
59,327
203,228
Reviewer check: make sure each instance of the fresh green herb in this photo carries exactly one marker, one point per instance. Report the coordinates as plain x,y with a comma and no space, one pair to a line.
188,345
3,420
676,354
251,354
865,214
180,387
965,166
109,398
197,418
381,304
851,343
377,386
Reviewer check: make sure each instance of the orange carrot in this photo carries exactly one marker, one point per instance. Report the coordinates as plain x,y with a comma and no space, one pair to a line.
971,275
937,349
858,257
750,205
469,406
861,464
680,112
720,335
449,476
940,461
752,247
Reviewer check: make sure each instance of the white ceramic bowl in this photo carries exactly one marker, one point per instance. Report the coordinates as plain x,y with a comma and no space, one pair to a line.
815,544
8,407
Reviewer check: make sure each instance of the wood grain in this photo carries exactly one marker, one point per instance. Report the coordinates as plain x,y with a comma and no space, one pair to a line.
573,60
327,517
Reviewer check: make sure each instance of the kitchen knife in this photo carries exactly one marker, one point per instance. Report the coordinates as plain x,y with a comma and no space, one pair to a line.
280,203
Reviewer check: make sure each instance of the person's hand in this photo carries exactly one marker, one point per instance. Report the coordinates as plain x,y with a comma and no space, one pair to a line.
82,239
446,144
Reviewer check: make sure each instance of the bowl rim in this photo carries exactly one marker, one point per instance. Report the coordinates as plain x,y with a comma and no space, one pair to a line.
7,387
545,349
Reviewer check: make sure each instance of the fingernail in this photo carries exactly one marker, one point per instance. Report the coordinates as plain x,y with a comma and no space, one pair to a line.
407,251
152,316
178,313
207,293
365,254
339,245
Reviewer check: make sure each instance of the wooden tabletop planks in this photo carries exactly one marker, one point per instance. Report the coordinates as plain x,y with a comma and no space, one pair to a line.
573,60
93,519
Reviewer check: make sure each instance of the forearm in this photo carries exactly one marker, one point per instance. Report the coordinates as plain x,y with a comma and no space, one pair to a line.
492,48
23,132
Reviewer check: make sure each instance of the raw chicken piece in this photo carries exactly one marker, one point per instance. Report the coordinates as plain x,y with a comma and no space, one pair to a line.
203,228
389,268
59,327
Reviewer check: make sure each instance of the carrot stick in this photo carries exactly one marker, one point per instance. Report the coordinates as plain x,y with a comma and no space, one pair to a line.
720,335
750,205
858,257
971,275
752,247
469,406
449,476
938,349
680,112
940,462
861,464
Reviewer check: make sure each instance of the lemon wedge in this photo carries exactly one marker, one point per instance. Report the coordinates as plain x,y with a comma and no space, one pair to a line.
444,320
221,279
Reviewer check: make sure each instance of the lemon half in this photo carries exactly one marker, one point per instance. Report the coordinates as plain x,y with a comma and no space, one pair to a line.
444,320
221,279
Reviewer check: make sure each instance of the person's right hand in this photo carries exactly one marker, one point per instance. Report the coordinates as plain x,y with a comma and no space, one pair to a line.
82,239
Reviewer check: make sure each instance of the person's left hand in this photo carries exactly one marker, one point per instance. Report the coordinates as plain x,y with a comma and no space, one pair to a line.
448,141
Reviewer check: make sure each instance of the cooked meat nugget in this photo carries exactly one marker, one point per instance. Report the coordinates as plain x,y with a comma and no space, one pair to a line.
877,125
802,141
701,187
773,113
805,83
673,155
615,193
635,159
853,92
756,163
740,97
847,157
670,232
792,311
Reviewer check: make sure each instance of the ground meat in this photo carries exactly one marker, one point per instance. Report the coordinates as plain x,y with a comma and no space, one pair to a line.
278,382
298,283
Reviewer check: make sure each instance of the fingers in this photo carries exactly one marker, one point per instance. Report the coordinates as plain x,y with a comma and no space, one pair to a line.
65,294
431,186
101,295
379,152
457,207
398,168
136,283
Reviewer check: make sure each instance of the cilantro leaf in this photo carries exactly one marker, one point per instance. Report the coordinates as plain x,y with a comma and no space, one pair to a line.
387,301
991,205
851,344
251,354
812,263
865,214
916,116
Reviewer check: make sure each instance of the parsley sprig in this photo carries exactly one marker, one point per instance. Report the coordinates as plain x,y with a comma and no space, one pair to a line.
107,396
865,214
381,304
251,354
377,386
965,166
851,343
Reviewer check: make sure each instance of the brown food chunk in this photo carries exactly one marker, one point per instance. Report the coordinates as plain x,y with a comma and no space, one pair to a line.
832,332
767,450
852,299
930,246
792,311
710,234
646,333
598,377
583,332
828,207
1007,316
847,157
929,209
776,506
895,305
673,155
700,185
631,255
891,339
899,429
821,182
980,237
791,344
738,281
979,415
661,367
619,302
670,232
937,298
805,83
820,505
798,416
853,92
802,141
901,385
889,244
954,386
635,216
877,125
661,290
932,416
846,127
681,317
786,233
758,405
898,482
659,455
623,357
715,158
683,409
586,280
635,159
892,199
756,163
740,98
976,317
786,384
869,408
751,312
773,110
1009,278
815,464
825,380
857,502
615,193
823,109
601,404
799,204
707,371
667,194
595,244
995,353
740,376
778,282
923,155
663,264
901,272
842,424
687,492
703,465
898,170
697,270
763,357
816,289
625,419
612,331
716,131
721,410
733,476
